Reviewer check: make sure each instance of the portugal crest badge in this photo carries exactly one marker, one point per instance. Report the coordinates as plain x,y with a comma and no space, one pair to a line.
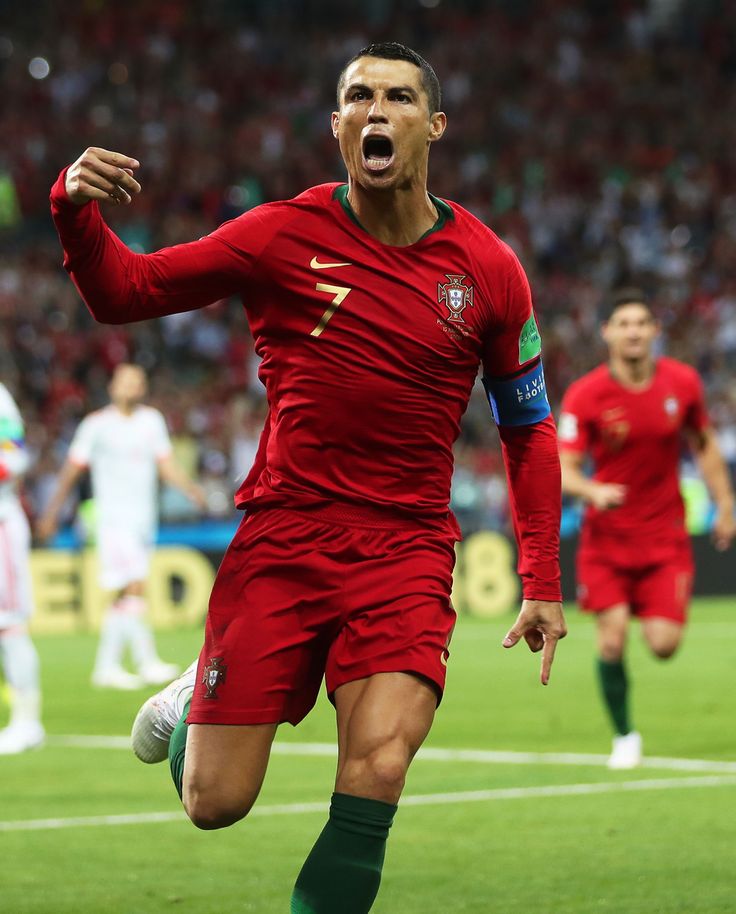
214,675
456,295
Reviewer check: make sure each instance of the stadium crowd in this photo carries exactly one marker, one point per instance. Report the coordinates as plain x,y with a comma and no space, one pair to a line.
595,137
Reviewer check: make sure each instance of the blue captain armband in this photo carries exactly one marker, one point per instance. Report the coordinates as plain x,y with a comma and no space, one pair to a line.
521,399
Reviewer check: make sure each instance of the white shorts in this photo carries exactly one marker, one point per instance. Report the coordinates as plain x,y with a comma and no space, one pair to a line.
16,599
123,556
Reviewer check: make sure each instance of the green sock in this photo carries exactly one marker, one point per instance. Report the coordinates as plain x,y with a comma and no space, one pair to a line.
177,750
615,688
342,873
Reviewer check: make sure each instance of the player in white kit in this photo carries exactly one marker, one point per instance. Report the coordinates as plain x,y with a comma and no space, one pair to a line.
126,447
18,656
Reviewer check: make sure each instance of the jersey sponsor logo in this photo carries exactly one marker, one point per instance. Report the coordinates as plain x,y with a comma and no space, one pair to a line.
316,265
213,676
530,342
456,295
567,428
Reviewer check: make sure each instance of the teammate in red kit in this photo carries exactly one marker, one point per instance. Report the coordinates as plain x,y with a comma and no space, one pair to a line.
372,305
631,416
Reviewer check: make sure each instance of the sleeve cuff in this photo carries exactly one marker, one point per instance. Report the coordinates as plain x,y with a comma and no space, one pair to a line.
548,592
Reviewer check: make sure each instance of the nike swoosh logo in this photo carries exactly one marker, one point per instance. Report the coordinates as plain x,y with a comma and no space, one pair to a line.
316,265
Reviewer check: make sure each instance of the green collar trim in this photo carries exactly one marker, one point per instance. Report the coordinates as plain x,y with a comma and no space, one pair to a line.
444,211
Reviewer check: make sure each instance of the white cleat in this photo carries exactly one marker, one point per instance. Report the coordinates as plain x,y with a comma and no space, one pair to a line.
626,752
159,672
116,678
20,737
156,720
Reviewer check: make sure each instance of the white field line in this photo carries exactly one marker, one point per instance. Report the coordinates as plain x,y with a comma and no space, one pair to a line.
428,754
429,799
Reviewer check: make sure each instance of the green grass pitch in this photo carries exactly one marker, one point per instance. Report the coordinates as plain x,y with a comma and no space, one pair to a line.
604,844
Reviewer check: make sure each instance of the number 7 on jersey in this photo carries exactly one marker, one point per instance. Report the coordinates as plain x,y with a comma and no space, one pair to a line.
340,293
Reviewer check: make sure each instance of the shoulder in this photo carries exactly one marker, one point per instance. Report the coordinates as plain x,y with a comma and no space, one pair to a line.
96,418
149,415
255,229
588,384
483,242
279,211
7,403
673,369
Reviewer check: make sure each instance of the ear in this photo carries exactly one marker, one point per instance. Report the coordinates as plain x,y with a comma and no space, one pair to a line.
437,124
335,120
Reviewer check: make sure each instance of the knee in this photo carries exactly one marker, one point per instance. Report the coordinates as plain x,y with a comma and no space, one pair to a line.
611,648
379,774
664,650
210,809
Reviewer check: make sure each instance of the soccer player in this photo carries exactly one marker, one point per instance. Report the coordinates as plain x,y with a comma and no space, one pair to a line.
126,446
372,304
18,656
631,416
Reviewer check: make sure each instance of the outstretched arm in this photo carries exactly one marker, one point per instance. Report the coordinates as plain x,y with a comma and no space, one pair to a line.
515,385
118,285
602,495
49,522
533,472
172,474
715,473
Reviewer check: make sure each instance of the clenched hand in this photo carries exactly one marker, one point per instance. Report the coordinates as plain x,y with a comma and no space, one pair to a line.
99,174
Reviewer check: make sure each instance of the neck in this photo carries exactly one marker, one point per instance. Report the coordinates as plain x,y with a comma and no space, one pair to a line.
632,372
125,408
399,216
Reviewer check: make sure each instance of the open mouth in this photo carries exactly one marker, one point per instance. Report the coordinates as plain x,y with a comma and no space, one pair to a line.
378,153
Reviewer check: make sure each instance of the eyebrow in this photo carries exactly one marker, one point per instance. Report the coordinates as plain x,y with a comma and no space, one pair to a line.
355,86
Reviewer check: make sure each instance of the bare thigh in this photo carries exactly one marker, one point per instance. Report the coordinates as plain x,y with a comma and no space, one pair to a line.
381,722
224,770
663,636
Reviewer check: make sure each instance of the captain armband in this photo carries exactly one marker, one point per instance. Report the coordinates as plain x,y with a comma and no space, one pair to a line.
519,400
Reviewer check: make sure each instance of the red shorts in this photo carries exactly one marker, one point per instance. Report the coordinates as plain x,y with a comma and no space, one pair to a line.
306,593
651,580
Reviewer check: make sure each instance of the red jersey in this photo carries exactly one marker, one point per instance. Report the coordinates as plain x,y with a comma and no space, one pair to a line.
635,438
369,351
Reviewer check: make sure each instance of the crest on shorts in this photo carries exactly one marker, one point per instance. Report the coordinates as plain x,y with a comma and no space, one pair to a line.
214,676
456,295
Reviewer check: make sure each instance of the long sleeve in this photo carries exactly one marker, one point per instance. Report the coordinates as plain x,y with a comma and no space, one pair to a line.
120,286
514,382
533,471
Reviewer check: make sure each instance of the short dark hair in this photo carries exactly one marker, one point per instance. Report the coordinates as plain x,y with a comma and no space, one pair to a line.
392,50
629,295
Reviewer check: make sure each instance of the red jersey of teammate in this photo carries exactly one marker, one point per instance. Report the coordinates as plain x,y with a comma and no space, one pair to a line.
635,438
369,351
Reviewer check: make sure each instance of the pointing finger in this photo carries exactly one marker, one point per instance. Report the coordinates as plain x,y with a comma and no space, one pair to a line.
548,655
